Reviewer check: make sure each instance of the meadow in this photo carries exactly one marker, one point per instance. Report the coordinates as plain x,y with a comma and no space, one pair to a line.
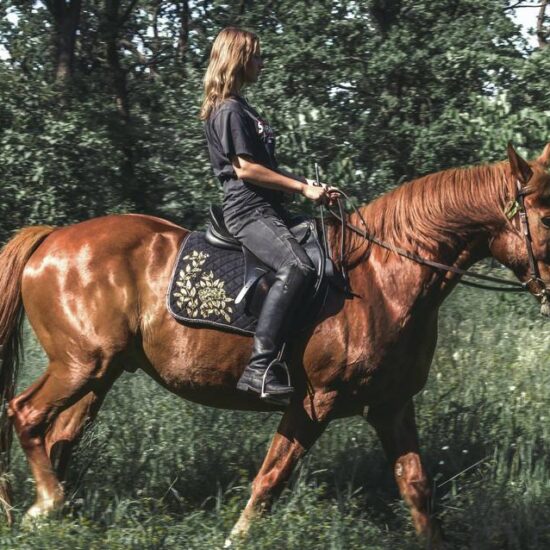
157,472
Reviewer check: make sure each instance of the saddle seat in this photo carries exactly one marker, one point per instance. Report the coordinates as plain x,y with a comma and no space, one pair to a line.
260,276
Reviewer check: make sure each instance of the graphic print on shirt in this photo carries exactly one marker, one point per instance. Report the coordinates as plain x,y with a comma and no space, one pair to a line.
265,131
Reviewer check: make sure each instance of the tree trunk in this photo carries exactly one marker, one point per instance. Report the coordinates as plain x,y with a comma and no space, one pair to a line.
183,34
542,33
66,17
155,43
117,73
123,139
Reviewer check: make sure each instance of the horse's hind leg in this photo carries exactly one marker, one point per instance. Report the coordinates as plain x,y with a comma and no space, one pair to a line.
66,431
34,412
296,433
69,426
399,437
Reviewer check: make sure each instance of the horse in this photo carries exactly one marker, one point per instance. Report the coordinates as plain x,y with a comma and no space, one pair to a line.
94,294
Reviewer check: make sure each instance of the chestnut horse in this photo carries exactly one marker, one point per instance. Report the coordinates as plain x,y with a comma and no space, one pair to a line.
94,294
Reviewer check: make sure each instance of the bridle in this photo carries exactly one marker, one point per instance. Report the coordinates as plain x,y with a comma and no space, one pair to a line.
538,286
535,284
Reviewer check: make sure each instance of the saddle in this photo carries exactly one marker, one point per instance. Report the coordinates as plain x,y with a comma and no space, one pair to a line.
258,277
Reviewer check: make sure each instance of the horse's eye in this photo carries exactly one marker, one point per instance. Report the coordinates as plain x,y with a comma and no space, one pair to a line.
546,221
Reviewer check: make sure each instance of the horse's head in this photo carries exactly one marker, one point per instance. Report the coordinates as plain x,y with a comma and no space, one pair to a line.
530,194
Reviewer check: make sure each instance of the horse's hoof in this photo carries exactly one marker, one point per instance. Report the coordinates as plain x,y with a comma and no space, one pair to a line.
237,536
38,514
436,540
33,520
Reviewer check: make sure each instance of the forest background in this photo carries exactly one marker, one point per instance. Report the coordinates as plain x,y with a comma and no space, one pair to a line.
99,105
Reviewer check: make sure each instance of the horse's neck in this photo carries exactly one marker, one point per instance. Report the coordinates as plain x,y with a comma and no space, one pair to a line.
451,226
438,217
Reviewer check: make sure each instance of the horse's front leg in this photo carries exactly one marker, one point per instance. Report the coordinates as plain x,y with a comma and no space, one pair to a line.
398,434
295,435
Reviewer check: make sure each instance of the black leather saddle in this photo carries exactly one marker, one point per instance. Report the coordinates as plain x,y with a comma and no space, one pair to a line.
259,277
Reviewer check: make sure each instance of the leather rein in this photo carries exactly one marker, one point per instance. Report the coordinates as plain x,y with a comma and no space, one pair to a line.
535,285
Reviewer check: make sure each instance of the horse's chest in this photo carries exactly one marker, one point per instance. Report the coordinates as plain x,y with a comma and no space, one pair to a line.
389,354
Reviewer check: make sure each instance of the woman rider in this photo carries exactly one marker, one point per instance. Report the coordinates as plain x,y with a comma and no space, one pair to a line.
241,145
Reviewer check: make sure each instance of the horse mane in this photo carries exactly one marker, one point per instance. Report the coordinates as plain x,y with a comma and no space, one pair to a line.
437,210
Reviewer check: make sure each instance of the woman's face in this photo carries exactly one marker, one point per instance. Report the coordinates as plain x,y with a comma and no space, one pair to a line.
254,67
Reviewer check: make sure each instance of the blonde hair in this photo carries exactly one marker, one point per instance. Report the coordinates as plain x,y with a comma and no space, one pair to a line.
225,74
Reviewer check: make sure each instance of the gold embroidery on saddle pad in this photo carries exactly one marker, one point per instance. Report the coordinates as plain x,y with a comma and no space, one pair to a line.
199,293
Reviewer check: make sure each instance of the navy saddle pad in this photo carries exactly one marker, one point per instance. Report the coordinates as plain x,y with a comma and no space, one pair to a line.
205,284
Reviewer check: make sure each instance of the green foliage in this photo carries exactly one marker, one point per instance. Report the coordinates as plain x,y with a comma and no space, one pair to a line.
376,92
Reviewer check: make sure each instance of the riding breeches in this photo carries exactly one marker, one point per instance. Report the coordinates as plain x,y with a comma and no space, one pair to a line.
267,236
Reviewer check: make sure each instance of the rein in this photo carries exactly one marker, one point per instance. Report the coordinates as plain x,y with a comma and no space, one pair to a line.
535,285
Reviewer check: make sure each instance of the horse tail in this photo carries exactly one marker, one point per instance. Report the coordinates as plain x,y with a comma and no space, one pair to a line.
13,258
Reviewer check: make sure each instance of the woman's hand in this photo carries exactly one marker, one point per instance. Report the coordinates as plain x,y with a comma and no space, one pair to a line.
333,194
321,194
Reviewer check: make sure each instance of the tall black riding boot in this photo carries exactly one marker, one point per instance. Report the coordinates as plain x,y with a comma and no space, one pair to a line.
274,318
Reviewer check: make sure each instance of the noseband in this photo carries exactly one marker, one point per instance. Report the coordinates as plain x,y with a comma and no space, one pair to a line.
534,285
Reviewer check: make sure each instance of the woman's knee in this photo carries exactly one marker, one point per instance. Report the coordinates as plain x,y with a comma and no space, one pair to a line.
296,271
300,260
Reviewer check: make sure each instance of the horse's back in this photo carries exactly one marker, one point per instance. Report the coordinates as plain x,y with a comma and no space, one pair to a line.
118,231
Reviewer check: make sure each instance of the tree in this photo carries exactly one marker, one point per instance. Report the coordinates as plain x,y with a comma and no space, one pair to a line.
377,92
66,15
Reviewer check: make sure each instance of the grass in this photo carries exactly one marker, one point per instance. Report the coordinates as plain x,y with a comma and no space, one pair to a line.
157,472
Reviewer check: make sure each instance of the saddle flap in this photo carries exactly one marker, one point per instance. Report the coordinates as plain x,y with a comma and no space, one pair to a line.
301,230
254,270
305,232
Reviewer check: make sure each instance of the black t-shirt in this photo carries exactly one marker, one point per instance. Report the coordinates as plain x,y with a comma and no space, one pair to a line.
235,128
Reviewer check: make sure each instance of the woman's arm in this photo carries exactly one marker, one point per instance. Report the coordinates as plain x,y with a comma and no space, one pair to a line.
248,170
290,175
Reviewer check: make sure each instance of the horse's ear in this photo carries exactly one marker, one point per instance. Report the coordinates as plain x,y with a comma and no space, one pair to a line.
520,169
544,158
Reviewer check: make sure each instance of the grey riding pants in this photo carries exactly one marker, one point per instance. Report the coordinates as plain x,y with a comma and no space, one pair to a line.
267,236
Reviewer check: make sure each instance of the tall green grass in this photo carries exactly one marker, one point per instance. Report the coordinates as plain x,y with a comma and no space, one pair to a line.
157,472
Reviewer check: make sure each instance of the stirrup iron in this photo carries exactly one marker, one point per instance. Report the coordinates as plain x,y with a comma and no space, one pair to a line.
279,363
